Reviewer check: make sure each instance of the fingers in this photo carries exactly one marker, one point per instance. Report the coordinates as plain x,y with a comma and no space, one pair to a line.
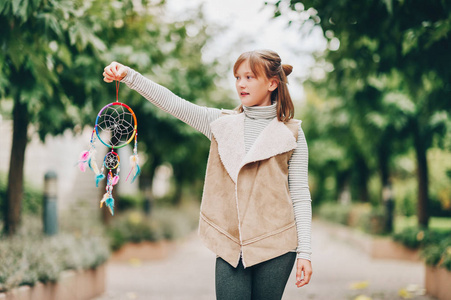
307,275
107,78
303,266
298,273
114,71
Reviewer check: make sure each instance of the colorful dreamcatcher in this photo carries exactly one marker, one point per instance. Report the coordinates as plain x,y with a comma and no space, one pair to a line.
116,122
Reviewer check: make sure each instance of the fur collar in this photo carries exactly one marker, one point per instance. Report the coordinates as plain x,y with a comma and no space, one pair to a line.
228,131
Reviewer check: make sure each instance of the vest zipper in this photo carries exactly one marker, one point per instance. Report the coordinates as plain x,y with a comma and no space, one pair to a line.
241,257
239,223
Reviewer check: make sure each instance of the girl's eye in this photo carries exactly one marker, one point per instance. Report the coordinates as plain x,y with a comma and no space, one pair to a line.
249,77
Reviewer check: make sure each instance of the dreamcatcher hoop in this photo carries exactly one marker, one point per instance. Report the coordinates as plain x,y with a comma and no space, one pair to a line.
114,120
111,160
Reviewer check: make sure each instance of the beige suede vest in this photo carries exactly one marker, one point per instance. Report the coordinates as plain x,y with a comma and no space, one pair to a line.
246,206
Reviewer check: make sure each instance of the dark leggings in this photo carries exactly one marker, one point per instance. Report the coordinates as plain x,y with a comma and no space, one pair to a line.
264,281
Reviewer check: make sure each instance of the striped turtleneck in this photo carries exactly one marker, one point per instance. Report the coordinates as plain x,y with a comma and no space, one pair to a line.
256,119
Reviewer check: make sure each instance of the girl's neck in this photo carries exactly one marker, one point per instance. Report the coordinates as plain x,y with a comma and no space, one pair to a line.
261,112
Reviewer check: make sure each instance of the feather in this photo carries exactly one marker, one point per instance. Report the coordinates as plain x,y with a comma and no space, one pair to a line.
98,178
110,204
133,160
135,169
82,162
94,166
138,171
115,180
90,162
82,166
105,196
84,156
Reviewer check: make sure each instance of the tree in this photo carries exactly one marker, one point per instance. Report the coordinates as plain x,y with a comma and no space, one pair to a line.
407,42
46,48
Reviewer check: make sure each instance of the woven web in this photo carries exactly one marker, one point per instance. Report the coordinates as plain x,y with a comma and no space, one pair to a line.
111,161
119,122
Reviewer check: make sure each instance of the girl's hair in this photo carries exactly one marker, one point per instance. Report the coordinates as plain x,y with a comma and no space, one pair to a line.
268,63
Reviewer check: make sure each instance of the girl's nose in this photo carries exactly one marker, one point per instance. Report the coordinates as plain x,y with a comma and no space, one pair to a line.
241,83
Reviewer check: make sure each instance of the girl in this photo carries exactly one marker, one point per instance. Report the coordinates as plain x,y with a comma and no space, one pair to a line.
256,206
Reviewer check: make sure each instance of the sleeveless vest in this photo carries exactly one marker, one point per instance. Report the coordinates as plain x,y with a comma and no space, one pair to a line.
246,208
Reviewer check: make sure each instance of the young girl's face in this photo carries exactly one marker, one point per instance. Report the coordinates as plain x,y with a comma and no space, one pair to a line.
253,90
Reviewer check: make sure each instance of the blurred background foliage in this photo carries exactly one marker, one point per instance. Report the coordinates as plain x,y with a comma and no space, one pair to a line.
378,102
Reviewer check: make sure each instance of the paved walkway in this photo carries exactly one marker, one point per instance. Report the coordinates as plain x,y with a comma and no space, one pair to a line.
341,272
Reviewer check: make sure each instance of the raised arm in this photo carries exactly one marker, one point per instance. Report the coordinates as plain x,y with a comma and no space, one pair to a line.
196,116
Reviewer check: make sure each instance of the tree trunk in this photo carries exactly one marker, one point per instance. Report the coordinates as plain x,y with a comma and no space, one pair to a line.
383,156
362,179
319,192
178,187
146,185
146,182
422,175
14,191
342,192
386,191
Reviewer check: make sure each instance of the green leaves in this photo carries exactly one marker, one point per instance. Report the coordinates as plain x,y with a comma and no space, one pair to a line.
388,82
29,258
20,8
81,36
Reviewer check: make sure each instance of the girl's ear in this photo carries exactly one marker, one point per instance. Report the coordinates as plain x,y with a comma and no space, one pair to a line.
273,84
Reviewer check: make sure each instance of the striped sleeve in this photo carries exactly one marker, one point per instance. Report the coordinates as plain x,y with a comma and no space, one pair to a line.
196,116
300,195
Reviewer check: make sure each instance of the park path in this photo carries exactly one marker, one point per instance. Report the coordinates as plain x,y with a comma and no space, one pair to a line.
341,272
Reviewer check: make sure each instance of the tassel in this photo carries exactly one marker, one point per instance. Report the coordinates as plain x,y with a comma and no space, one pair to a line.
115,180
98,178
110,204
83,161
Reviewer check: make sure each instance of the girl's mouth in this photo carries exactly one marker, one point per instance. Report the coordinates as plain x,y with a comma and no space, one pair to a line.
244,94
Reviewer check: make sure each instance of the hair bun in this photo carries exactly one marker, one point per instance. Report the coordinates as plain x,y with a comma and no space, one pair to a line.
287,69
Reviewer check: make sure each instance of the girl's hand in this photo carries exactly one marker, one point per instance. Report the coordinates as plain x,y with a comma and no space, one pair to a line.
303,265
114,71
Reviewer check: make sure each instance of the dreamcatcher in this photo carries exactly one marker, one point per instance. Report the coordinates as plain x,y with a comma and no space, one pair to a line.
118,121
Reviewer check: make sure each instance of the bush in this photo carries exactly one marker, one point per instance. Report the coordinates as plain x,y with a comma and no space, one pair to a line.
30,256
415,238
335,212
373,220
359,215
128,202
164,223
133,227
438,254
362,215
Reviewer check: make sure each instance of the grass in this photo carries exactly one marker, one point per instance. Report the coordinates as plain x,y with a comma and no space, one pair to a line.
435,223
